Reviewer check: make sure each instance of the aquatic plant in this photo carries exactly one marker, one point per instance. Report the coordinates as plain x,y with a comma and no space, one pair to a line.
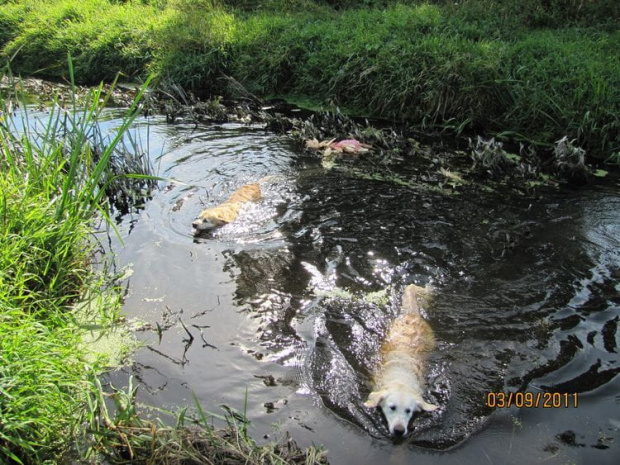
569,159
489,155
120,435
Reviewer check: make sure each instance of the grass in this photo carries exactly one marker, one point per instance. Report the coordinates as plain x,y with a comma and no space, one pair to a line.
52,185
121,435
534,71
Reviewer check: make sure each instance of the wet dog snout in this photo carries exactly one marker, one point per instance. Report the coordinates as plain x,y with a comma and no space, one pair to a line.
399,430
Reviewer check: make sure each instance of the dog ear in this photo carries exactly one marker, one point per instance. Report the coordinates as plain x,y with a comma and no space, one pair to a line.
374,399
427,407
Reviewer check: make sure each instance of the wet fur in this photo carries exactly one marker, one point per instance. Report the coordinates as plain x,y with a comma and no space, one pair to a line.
399,380
228,211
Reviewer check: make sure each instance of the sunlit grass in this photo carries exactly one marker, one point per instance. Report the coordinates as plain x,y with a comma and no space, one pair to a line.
52,185
43,379
536,70
103,37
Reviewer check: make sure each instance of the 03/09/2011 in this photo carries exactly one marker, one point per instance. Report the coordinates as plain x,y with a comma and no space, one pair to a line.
531,400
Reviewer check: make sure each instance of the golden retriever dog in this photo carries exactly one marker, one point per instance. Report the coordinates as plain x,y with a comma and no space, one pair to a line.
228,211
399,380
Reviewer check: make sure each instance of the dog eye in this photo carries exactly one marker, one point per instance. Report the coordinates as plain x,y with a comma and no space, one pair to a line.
407,411
392,407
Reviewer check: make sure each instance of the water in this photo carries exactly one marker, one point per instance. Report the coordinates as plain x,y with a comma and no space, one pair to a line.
290,303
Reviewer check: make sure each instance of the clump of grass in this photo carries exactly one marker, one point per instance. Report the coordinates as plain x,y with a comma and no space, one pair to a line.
570,160
41,377
490,156
52,185
55,181
123,436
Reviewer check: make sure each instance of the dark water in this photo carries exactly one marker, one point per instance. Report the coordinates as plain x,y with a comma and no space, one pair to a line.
285,304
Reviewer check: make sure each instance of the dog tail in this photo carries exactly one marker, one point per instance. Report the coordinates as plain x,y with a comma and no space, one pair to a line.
412,296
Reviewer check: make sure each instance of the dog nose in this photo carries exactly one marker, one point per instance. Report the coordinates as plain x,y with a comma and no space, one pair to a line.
399,430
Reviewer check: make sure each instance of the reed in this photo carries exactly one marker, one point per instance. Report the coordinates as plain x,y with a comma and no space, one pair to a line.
55,176
52,186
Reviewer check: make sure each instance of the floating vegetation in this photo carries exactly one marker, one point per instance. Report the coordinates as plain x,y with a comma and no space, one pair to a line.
44,92
331,150
369,149
179,105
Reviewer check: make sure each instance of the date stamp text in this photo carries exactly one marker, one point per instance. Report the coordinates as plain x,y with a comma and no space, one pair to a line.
531,399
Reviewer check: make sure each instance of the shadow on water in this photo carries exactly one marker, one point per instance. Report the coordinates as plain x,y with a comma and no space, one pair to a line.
291,303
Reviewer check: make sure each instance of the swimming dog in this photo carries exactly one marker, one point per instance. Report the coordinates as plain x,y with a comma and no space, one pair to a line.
398,381
228,211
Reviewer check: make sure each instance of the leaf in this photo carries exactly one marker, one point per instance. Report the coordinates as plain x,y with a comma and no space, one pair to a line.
600,173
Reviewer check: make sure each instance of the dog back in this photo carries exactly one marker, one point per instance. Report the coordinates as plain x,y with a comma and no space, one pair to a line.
220,214
399,378
410,332
246,193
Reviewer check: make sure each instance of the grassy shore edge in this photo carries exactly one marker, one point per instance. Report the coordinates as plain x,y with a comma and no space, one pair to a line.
525,72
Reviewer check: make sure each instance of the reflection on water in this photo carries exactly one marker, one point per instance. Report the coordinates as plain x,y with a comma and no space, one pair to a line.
281,303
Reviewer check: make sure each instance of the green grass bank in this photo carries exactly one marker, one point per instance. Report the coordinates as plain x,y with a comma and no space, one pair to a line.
52,299
529,70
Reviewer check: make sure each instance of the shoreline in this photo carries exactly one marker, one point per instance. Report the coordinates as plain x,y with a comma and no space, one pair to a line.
481,66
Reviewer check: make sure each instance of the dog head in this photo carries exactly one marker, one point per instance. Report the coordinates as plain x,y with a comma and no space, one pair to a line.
398,407
216,216
206,222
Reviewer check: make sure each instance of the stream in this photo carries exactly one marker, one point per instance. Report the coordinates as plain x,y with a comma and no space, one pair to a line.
289,304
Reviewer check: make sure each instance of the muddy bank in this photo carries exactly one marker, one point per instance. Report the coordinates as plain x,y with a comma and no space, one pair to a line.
454,164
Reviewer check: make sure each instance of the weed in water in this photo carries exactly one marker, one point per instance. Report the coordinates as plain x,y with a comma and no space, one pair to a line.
119,434
569,159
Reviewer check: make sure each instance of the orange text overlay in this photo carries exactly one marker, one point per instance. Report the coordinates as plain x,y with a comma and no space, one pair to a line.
531,399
